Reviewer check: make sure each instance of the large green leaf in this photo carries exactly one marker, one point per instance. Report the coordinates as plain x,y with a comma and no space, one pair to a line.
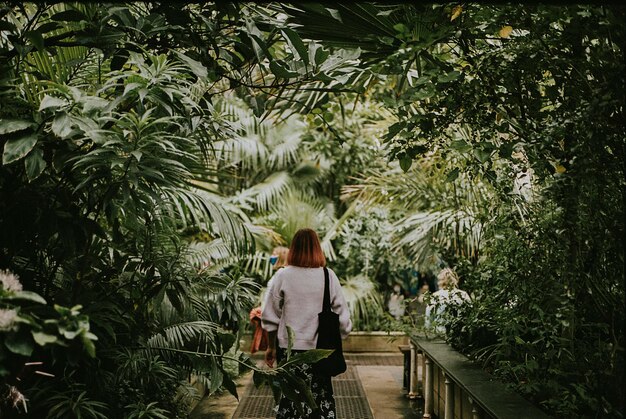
195,66
42,338
51,102
229,385
8,126
61,125
308,357
18,344
18,148
36,38
26,296
281,71
296,44
34,164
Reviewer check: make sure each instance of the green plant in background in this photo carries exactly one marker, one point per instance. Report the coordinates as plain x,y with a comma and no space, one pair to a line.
518,107
109,152
30,332
364,301
75,403
435,215
148,411
142,143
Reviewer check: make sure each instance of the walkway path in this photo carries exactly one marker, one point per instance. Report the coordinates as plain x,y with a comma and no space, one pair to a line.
371,388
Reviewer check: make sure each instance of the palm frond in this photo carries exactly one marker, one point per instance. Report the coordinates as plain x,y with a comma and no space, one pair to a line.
286,139
451,229
440,214
362,297
193,336
259,263
203,254
265,237
246,150
390,188
265,194
204,210
346,26
296,210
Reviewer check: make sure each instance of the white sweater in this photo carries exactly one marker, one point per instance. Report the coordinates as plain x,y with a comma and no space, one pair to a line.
294,298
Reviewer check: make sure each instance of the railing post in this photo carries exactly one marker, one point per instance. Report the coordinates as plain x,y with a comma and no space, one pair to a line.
449,407
423,375
428,388
413,373
475,413
419,357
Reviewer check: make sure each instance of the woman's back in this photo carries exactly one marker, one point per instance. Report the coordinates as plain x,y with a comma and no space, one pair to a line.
295,299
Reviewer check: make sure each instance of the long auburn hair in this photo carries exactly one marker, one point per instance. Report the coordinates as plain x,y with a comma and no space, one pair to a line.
305,250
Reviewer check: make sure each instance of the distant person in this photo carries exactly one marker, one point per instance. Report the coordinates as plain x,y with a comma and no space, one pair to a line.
428,278
448,296
294,299
422,293
396,302
278,259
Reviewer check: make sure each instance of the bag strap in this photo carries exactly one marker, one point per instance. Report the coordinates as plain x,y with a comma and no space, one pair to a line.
326,305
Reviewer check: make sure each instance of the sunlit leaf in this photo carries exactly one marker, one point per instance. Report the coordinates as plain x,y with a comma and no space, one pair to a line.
505,31
26,296
61,125
456,12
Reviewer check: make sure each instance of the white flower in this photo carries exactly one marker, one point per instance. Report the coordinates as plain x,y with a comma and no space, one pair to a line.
10,281
7,320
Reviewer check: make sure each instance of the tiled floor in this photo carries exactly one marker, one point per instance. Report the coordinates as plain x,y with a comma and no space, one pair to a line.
371,388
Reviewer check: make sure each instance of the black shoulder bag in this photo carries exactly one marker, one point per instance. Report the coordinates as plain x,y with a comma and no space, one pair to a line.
329,337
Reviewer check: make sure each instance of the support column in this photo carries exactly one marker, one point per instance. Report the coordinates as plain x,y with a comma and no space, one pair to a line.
420,376
475,412
423,375
413,373
449,409
428,388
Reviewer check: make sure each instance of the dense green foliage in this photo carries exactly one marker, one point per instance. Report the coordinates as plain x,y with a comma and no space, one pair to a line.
153,154
514,116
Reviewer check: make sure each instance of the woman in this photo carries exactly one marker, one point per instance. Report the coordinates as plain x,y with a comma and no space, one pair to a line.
278,259
448,295
294,299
